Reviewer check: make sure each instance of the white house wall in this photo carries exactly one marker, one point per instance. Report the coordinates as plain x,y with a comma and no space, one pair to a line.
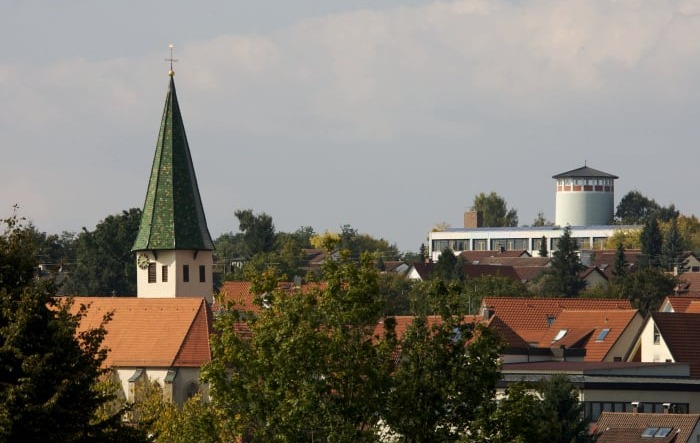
653,352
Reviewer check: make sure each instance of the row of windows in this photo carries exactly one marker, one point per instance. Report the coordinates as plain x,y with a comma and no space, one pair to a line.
585,181
185,273
513,244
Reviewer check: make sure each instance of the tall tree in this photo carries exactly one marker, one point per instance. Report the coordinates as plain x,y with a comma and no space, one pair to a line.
494,210
562,277
562,412
672,248
448,267
634,208
646,288
620,264
543,252
258,232
49,373
311,368
541,220
104,261
651,241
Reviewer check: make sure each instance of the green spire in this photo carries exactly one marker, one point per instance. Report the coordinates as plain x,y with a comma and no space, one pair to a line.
173,216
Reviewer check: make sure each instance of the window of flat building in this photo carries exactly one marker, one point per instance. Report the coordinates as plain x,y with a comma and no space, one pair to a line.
151,273
164,274
185,273
480,244
202,273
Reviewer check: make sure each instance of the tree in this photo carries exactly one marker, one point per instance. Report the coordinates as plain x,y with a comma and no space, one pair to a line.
620,264
562,412
447,373
672,248
105,263
258,232
49,373
543,252
634,208
541,220
448,267
651,241
511,420
311,368
646,288
494,210
562,277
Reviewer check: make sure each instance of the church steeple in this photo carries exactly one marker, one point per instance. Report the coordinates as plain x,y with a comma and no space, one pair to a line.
173,216
173,245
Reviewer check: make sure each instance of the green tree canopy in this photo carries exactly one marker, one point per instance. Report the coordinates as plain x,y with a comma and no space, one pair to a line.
49,373
104,261
494,210
562,278
651,241
258,232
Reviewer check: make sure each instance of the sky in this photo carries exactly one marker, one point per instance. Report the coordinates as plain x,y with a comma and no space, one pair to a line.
387,115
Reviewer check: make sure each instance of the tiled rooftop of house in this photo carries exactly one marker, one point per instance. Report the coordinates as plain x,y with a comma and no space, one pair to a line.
680,332
629,427
151,332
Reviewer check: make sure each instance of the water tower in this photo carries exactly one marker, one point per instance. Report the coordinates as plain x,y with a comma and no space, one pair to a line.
585,197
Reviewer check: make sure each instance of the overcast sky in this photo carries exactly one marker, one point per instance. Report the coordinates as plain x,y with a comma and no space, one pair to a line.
388,115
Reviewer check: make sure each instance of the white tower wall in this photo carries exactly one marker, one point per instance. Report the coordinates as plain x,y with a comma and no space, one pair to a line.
175,284
584,208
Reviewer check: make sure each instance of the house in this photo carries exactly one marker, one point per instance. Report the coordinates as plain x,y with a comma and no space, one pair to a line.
423,271
158,339
623,427
670,337
684,303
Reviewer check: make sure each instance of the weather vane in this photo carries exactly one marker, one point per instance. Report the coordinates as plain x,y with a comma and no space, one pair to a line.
171,59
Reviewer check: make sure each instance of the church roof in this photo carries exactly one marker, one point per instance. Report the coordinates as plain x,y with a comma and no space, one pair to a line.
585,171
173,216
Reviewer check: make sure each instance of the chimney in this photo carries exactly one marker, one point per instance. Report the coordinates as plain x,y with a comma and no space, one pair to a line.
473,219
667,408
487,312
635,406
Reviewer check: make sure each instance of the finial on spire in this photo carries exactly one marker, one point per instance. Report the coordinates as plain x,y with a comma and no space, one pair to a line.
171,60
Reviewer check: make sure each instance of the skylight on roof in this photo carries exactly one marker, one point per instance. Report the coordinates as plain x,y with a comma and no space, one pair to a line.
560,335
662,432
603,333
649,432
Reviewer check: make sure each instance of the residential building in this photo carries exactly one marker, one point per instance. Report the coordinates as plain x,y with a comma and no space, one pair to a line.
630,427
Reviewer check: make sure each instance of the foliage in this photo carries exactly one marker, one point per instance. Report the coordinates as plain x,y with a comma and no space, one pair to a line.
646,288
629,238
494,210
541,220
449,267
635,208
258,232
672,248
620,264
543,252
651,241
311,371
447,373
562,278
512,419
104,261
562,412
49,373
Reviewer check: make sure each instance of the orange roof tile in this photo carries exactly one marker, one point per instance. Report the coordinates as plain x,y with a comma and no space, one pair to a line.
533,313
584,327
680,303
151,332
610,424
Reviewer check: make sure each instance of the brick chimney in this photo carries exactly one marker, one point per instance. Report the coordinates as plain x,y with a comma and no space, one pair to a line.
473,219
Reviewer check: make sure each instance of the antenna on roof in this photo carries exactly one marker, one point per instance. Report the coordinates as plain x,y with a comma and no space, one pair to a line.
171,60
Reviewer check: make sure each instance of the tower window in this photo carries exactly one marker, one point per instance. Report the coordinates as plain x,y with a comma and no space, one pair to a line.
202,273
151,273
185,273
164,274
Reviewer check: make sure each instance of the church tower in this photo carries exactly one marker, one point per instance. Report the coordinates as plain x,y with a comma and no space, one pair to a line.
174,250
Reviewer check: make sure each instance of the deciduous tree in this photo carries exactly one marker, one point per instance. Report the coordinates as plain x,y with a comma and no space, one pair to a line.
494,210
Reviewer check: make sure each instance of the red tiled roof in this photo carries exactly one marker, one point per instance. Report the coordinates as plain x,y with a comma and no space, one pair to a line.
680,332
533,313
425,270
689,283
151,332
584,327
610,425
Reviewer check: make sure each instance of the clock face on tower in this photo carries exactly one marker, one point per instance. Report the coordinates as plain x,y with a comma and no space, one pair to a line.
142,261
